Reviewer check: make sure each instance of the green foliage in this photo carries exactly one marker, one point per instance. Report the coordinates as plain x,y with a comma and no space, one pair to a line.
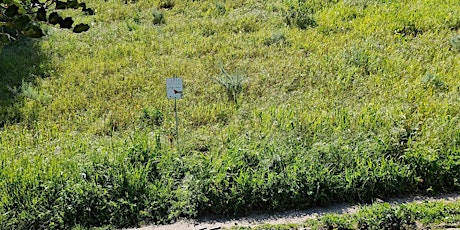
152,117
362,3
386,217
455,42
353,108
300,15
158,17
233,84
334,221
426,215
166,4
24,17
432,80
278,38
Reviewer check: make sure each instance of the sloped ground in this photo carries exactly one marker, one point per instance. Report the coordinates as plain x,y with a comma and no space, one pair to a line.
343,101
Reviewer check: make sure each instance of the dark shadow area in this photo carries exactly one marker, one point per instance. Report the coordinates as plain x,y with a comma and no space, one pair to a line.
21,63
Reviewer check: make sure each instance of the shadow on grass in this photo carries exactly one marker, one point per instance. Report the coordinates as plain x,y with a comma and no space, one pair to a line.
21,63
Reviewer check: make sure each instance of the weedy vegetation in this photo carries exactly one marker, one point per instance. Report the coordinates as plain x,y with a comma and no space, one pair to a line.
335,101
426,215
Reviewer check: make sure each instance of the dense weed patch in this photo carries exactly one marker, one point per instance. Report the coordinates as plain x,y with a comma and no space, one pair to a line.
341,101
436,215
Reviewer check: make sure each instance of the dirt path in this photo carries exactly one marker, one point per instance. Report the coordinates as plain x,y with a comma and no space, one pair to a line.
295,217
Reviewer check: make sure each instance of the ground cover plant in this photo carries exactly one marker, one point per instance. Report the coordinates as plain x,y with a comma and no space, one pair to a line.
336,101
426,215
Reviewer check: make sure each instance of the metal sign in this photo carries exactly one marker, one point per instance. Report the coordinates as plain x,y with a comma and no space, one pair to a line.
174,91
174,88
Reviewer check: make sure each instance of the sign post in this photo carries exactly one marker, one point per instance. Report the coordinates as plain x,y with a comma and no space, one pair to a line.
174,91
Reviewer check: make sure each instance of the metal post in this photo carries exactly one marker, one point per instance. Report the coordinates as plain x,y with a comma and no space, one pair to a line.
177,123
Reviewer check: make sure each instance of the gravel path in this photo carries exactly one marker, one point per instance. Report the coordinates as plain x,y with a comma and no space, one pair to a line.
210,223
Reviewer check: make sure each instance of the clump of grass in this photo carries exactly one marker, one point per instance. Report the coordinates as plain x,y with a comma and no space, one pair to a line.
220,8
158,17
277,38
335,137
300,16
166,4
455,42
362,3
233,83
425,215
434,81
152,117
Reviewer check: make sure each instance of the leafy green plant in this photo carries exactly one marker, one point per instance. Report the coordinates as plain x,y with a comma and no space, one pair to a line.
362,3
455,42
359,58
220,8
233,84
24,17
385,216
276,39
300,15
158,17
152,117
432,80
166,4
334,221
78,149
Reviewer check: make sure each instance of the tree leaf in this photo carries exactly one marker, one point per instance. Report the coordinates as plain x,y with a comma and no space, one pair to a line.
36,3
72,4
41,14
66,23
61,5
22,21
54,18
81,28
12,11
34,31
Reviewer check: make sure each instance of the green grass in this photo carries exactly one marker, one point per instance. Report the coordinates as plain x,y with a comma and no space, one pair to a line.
426,215
362,103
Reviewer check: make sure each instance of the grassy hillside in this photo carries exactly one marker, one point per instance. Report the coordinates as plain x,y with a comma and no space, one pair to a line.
342,100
